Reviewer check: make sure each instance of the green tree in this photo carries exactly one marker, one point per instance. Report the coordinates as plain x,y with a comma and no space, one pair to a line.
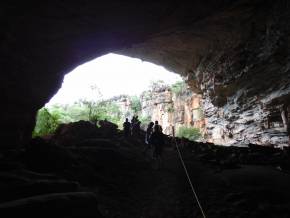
135,104
145,119
89,107
91,103
61,112
107,110
170,109
46,122
178,87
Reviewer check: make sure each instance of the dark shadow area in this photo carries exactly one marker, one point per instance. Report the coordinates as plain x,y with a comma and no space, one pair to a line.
88,171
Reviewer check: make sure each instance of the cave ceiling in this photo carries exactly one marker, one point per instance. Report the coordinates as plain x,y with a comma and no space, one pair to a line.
202,40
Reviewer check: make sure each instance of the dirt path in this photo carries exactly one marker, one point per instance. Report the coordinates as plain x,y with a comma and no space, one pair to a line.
162,193
165,193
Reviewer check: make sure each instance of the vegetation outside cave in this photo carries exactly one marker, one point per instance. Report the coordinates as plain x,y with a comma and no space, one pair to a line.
48,119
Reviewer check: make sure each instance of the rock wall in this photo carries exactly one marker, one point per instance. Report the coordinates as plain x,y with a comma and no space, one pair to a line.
246,84
239,61
172,109
168,108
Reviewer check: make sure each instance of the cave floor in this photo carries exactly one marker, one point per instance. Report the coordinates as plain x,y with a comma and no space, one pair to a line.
126,183
246,191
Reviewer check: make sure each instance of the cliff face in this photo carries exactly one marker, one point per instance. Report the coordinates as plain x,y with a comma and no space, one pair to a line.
245,85
167,107
172,109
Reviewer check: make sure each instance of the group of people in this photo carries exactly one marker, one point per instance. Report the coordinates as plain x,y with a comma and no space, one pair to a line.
154,137
132,128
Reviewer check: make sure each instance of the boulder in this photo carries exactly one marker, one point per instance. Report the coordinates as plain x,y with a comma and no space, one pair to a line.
72,133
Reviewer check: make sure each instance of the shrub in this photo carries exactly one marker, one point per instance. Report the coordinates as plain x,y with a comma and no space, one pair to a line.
106,110
46,123
135,104
197,114
190,133
47,120
170,109
147,95
145,119
178,87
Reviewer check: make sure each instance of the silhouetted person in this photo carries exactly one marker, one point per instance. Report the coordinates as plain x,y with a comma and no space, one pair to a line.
156,125
136,128
149,132
127,127
134,120
157,140
134,125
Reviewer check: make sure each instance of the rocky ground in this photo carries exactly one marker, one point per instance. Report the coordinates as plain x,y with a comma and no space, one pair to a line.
83,171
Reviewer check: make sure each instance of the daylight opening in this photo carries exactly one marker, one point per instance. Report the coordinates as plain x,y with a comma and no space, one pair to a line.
109,76
115,87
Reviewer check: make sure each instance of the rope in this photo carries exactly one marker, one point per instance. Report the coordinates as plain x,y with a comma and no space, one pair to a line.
188,177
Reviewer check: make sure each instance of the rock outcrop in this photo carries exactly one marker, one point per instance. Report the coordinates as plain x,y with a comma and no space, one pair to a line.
246,84
173,109
169,108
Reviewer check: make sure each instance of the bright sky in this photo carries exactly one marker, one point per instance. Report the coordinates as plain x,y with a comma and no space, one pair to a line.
113,75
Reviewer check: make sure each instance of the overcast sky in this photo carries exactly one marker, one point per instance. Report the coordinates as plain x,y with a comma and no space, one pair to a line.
113,75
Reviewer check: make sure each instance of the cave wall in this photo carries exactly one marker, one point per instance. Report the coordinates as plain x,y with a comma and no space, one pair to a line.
215,44
239,60
246,85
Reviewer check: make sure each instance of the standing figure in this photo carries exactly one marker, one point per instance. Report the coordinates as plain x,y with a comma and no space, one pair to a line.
136,128
156,125
149,132
127,128
133,121
157,140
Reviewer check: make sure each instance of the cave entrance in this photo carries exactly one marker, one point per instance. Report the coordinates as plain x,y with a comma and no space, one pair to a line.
112,87
109,76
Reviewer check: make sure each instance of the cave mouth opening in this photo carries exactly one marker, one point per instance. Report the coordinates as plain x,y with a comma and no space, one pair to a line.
110,75
108,87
